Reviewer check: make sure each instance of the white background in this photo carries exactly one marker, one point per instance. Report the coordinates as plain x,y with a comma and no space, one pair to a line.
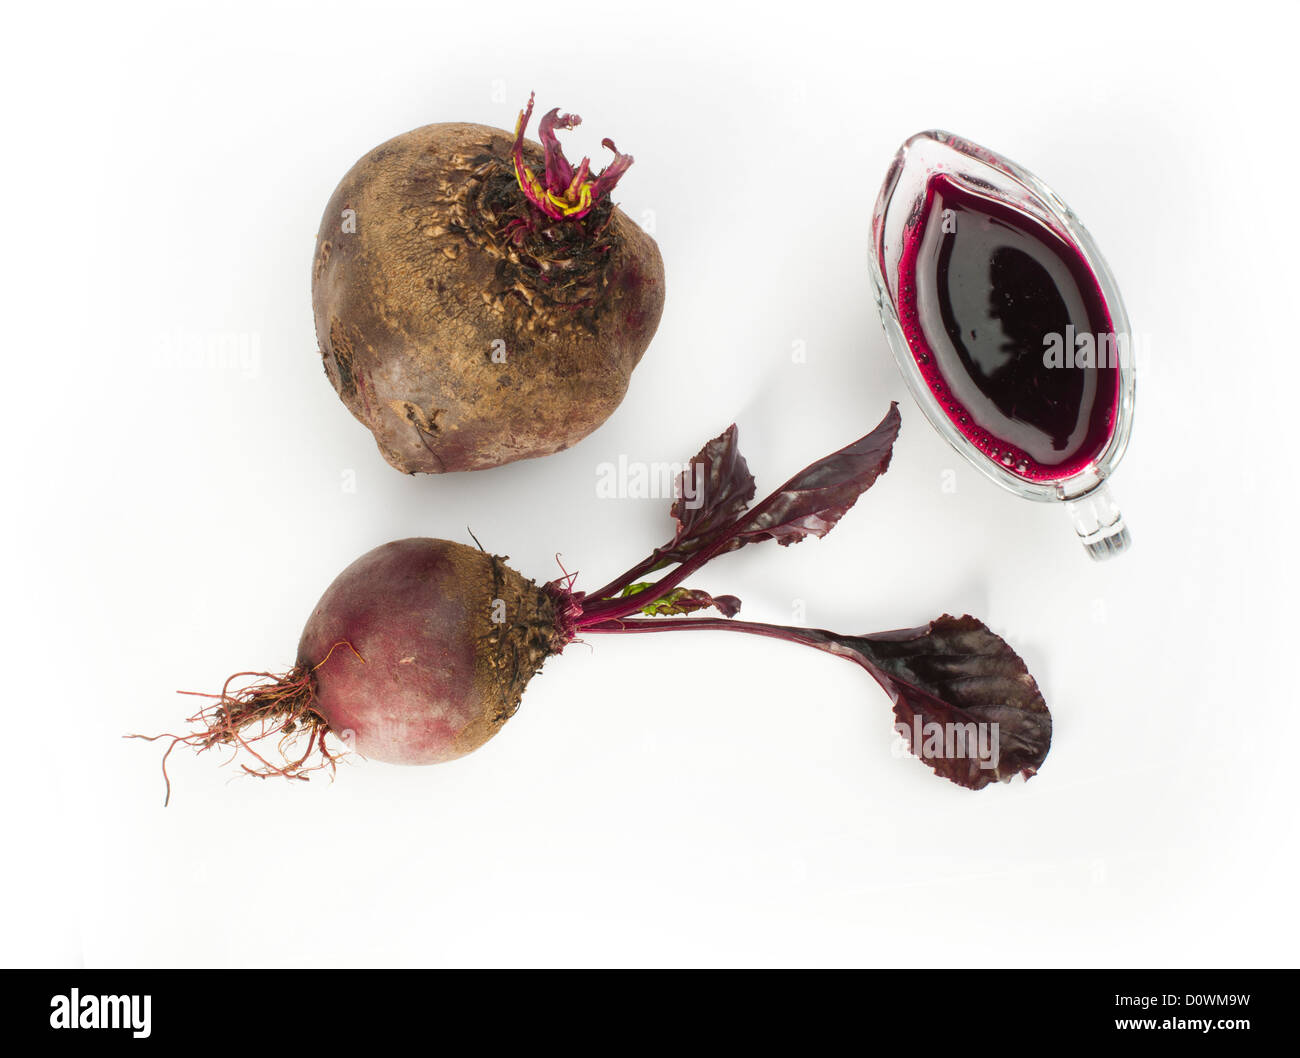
694,800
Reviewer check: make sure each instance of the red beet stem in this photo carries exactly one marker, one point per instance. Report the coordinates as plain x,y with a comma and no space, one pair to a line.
789,633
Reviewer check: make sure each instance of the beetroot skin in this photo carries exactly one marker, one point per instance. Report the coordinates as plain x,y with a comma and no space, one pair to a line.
424,676
478,299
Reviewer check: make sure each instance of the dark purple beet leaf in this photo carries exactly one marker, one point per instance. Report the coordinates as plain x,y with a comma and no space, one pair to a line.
812,501
964,700
725,488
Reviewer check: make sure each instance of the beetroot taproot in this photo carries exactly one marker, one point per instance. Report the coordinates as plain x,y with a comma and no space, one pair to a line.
477,298
451,633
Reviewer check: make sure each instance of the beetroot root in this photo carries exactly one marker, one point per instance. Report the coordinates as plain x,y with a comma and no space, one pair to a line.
443,640
479,300
416,654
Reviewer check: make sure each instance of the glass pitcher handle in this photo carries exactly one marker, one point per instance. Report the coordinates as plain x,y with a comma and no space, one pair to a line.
1099,523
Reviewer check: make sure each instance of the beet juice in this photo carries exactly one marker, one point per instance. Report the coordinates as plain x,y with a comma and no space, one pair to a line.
1010,331
1007,326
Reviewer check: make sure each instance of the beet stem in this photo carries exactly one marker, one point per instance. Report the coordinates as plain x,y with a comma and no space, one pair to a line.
613,609
817,638
788,633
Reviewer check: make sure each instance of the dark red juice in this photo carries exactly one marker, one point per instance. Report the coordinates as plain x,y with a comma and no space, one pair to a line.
1011,332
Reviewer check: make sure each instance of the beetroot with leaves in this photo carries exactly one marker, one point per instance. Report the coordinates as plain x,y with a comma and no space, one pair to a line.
420,650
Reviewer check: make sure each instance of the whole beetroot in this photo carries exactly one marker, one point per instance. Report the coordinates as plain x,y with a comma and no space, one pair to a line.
450,633
420,650
478,299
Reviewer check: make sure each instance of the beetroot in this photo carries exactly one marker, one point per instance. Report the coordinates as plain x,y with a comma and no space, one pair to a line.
420,613
420,650
478,299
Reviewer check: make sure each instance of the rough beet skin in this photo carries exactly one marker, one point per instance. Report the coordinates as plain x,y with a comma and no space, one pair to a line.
478,299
